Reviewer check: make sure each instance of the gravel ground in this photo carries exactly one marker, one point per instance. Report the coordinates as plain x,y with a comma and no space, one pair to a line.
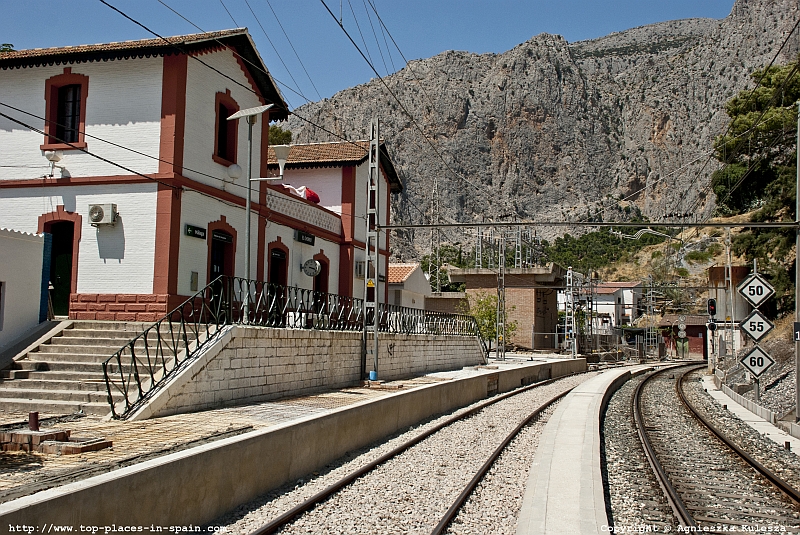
784,463
716,486
410,493
632,491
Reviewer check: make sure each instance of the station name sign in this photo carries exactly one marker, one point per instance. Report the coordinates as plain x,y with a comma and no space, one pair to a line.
304,237
195,232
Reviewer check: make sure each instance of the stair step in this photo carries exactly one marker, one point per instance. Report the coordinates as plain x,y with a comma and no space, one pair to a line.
85,396
89,349
52,407
132,327
82,384
69,366
83,341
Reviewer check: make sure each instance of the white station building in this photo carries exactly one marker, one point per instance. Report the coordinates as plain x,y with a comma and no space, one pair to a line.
122,152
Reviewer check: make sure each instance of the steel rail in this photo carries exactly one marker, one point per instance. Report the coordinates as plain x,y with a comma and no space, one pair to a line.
679,509
287,517
468,490
790,492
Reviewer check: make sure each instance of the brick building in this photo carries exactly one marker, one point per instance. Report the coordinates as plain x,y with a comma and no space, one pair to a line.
531,299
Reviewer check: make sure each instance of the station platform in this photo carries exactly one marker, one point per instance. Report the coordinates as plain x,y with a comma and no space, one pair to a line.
564,492
772,432
204,461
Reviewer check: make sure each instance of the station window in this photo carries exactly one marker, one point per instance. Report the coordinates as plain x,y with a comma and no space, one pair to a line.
225,138
65,109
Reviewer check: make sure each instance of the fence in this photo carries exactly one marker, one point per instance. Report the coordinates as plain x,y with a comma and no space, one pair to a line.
147,361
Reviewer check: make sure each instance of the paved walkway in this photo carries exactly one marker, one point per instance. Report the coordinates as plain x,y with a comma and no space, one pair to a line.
564,492
774,433
136,442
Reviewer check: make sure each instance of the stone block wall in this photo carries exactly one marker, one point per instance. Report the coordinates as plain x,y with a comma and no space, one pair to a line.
258,363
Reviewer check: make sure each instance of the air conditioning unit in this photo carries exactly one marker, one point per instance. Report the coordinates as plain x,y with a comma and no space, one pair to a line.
102,214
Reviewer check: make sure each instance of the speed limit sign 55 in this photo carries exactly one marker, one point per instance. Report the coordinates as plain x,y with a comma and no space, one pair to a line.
756,325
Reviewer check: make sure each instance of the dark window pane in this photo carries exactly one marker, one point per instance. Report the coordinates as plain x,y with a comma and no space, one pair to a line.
222,133
68,117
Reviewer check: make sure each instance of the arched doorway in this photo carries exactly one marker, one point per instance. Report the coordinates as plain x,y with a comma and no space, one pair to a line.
65,229
221,261
278,266
277,280
61,260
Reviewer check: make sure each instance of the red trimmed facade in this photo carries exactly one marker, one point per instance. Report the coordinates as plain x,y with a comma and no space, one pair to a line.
51,90
172,189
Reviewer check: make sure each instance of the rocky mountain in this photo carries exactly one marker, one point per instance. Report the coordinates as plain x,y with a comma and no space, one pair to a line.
552,130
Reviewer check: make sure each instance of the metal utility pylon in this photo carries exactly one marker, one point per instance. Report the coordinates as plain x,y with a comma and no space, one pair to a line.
479,250
569,317
518,249
371,271
501,298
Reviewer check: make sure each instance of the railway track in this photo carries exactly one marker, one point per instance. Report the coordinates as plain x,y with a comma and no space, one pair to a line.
422,483
710,483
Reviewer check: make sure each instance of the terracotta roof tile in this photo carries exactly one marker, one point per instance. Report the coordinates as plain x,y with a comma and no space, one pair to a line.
399,273
193,44
316,153
335,154
121,45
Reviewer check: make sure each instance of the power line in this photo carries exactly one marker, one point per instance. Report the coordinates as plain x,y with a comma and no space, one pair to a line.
750,96
293,49
628,224
402,106
156,158
72,146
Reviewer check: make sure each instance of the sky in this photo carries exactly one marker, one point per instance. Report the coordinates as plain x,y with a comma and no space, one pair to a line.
285,30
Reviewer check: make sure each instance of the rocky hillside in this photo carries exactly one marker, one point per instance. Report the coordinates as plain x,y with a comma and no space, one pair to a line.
552,130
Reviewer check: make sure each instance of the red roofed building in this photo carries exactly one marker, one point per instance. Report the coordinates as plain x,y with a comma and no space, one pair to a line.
408,285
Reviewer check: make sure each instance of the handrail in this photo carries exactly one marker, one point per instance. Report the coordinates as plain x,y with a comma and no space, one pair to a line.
146,362
138,369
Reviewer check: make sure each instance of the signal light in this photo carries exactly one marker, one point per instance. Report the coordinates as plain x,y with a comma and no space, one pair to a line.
712,307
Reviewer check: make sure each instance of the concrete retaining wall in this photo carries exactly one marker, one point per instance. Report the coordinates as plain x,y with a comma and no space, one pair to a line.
248,364
195,486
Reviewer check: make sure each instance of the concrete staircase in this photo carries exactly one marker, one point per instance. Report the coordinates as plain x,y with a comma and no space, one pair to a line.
65,375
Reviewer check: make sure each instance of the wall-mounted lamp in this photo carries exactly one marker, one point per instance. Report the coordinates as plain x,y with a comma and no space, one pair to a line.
55,156
281,154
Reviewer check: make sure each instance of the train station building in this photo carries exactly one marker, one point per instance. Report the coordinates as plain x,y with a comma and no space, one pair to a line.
123,153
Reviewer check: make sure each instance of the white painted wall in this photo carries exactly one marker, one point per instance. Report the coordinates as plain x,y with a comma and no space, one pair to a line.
112,259
202,85
200,210
325,181
362,175
20,283
123,106
299,253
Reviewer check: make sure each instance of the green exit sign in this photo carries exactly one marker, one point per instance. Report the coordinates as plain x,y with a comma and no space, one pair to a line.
195,232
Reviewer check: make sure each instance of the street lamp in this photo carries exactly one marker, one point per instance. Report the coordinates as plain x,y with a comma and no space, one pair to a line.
252,118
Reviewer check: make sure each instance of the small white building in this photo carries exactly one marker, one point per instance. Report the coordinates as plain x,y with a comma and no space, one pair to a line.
617,302
23,292
408,286
122,152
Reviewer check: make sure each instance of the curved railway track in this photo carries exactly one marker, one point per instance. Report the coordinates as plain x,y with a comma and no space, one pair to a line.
711,484
287,518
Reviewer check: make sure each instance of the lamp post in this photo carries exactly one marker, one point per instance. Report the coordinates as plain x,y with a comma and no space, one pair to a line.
252,118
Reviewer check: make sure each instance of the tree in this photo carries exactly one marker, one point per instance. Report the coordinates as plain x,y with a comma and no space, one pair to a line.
483,307
279,136
452,255
759,175
6,47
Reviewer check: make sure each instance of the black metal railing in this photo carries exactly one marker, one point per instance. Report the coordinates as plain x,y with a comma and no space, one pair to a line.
135,372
